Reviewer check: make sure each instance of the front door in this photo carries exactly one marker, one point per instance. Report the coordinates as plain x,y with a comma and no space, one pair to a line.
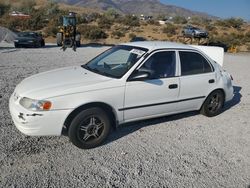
157,94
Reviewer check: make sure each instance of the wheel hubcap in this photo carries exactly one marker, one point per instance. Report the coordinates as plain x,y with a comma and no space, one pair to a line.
214,103
91,128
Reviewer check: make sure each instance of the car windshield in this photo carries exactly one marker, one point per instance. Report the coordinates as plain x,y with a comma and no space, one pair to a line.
116,61
27,34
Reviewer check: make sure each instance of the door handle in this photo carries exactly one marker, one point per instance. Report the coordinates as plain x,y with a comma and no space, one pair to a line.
211,81
173,86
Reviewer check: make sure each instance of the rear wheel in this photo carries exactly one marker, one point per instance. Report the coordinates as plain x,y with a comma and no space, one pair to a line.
89,128
59,39
78,44
213,104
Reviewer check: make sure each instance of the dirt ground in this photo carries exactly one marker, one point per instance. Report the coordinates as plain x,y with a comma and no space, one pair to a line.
186,150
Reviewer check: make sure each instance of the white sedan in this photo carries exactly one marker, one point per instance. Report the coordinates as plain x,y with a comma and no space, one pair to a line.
128,82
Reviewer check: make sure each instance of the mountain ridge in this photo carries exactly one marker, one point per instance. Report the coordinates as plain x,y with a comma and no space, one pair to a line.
138,7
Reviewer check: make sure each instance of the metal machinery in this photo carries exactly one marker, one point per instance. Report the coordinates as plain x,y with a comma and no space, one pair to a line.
68,36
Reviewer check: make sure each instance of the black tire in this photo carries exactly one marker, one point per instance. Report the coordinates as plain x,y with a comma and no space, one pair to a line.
42,43
213,104
37,45
89,128
59,39
78,43
78,40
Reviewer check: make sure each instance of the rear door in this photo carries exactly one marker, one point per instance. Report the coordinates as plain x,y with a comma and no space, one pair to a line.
197,80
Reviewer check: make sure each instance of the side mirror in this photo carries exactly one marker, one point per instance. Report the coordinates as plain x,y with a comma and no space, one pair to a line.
140,75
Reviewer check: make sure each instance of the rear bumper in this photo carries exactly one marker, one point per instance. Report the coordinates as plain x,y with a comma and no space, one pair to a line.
228,88
229,94
31,123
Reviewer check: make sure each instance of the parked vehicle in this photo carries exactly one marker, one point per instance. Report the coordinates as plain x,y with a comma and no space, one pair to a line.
29,39
128,82
137,39
190,31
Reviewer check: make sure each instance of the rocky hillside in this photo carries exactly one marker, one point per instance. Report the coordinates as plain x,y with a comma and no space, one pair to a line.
147,7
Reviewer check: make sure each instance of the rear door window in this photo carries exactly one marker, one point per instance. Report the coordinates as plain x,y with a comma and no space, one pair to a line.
193,63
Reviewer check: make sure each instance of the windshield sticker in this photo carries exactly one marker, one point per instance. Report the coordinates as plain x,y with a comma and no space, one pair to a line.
137,52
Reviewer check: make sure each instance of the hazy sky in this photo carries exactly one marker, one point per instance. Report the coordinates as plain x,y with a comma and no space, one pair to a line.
220,8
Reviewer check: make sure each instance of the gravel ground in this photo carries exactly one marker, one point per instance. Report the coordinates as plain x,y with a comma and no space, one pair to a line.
186,150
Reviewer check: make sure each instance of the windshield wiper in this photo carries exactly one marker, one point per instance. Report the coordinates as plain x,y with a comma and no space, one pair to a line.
102,73
86,67
95,70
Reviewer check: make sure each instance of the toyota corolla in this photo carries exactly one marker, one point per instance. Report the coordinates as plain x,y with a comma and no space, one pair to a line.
128,82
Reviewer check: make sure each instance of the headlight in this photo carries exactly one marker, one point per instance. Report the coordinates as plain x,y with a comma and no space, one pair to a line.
35,105
15,40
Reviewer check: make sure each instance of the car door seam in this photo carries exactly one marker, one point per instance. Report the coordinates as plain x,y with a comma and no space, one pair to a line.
162,103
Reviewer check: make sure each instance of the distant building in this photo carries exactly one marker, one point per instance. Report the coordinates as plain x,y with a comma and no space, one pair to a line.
162,22
18,14
143,17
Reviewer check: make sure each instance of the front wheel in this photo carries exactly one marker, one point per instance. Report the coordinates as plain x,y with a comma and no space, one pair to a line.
213,104
43,43
89,128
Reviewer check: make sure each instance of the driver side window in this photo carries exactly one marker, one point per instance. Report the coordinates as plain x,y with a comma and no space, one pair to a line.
161,65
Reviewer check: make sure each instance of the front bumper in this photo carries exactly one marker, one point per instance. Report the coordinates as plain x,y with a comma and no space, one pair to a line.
25,44
48,123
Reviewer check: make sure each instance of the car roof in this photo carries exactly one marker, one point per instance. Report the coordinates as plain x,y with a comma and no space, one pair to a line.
154,45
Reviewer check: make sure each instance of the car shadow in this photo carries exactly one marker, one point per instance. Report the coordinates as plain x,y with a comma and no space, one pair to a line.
129,128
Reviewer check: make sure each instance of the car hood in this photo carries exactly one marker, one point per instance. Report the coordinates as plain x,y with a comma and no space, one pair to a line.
60,82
